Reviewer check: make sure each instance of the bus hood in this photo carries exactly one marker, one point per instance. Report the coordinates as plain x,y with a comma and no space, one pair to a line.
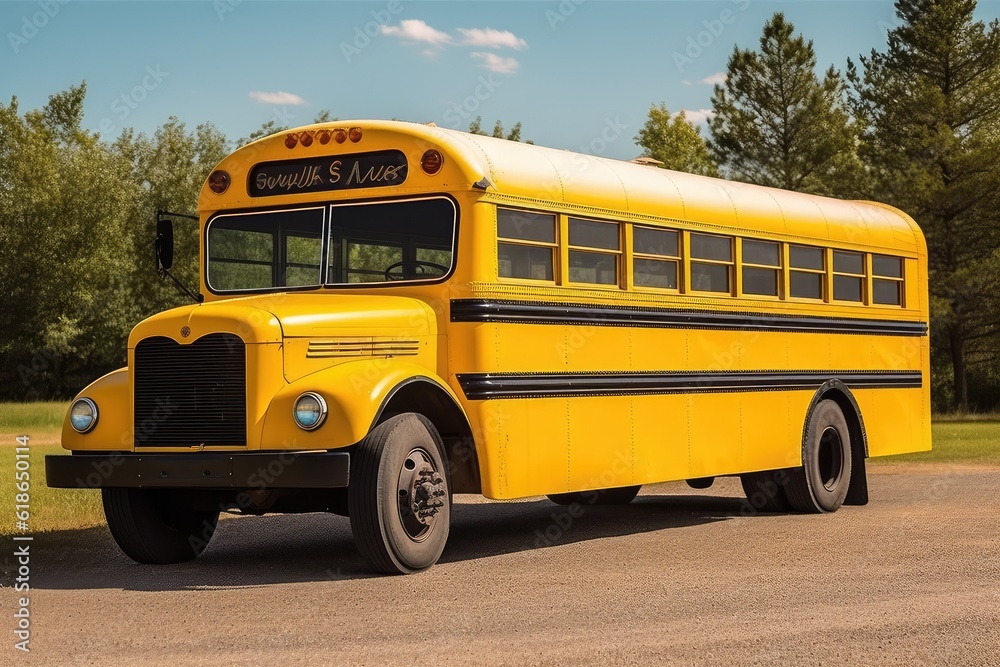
269,318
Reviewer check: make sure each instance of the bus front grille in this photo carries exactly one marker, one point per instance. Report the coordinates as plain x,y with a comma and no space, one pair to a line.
190,395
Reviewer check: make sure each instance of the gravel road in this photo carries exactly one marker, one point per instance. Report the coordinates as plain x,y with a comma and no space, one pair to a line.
680,576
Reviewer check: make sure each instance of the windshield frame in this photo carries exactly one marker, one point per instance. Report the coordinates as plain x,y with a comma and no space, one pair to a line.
327,206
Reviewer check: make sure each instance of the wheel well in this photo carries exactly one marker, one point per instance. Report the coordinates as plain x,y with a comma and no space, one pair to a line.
857,493
427,398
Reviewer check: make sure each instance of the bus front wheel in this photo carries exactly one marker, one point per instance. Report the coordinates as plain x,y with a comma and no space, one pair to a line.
821,483
150,527
398,498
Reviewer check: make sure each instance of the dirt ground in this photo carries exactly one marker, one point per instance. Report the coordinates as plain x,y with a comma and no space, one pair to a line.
680,576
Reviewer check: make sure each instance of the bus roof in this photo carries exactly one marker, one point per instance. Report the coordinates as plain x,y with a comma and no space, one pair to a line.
530,175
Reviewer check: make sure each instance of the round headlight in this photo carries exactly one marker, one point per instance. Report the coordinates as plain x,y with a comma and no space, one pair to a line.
309,411
83,415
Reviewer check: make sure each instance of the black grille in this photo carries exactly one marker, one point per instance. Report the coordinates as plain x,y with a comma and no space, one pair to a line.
190,394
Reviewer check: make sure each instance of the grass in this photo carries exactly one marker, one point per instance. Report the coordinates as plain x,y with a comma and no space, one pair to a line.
23,418
973,441
51,509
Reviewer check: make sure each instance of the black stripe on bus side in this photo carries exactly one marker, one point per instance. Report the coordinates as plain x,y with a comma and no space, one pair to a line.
483,386
535,312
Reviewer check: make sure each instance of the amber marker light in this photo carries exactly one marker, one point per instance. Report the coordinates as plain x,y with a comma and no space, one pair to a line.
291,140
354,134
324,137
431,162
306,139
340,136
218,182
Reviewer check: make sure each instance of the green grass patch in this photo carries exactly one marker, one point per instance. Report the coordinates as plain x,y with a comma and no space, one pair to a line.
51,509
21,418
974,441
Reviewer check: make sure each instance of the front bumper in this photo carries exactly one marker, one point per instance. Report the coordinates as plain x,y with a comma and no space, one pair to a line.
202,470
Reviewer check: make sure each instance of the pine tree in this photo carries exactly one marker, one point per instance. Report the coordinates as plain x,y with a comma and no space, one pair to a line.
675,141
931,104
777,123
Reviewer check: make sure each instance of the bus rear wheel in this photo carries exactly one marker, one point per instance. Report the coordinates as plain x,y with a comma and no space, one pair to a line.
766,490
821,483
398,498
151,528
619,496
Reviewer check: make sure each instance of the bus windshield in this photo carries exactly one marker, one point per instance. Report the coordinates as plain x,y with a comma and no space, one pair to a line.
372,242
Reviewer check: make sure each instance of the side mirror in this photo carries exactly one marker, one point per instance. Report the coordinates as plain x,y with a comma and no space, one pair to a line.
164,244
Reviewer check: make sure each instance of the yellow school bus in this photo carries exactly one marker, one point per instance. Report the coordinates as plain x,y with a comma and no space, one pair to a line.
390,313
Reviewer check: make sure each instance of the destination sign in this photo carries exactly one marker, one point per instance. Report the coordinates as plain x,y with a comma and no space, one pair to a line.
333,172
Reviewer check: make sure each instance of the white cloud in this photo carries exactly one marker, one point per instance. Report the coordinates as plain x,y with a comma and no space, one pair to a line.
415,30
492,39
280,98
716,79
699,116
687,83
496,63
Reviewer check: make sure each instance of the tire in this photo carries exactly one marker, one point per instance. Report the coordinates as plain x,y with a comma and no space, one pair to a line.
398,498
766,491
701,483
150,529
821,483
619,496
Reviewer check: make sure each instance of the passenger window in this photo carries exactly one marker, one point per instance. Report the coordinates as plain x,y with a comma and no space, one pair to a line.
848,276
807,272
526,245
713,270
761,267
594,252
656,257
887,280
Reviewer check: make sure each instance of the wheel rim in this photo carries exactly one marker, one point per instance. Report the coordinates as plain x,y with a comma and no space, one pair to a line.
420,494
831,458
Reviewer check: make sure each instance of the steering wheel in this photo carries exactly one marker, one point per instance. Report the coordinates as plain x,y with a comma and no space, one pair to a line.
417,266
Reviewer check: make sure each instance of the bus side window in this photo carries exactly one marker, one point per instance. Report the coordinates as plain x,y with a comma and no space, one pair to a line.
594,251
808,272
848,276
714,273
887,280
656,257
526,244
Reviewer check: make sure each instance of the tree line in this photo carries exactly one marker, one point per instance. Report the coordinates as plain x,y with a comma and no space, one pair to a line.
915,124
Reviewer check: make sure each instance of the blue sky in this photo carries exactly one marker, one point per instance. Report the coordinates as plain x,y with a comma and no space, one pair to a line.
568,70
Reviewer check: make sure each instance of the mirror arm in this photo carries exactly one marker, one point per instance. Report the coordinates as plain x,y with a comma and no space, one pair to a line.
160,215
198,298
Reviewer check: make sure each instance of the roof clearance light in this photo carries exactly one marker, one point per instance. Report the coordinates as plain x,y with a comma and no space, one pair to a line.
306,139
218,181
355,134
324,137
340,136
431,162
291,140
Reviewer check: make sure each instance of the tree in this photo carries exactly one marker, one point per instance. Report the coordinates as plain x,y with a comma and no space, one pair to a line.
63,214
676,142
777,123
931,105
476,127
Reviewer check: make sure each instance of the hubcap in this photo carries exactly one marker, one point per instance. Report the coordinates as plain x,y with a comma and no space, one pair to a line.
420,494
831,458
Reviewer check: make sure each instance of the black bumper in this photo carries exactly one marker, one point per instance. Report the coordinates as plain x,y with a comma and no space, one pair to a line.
201,470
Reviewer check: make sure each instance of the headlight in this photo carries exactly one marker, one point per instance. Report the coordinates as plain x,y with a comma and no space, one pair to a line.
83,415
309,411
